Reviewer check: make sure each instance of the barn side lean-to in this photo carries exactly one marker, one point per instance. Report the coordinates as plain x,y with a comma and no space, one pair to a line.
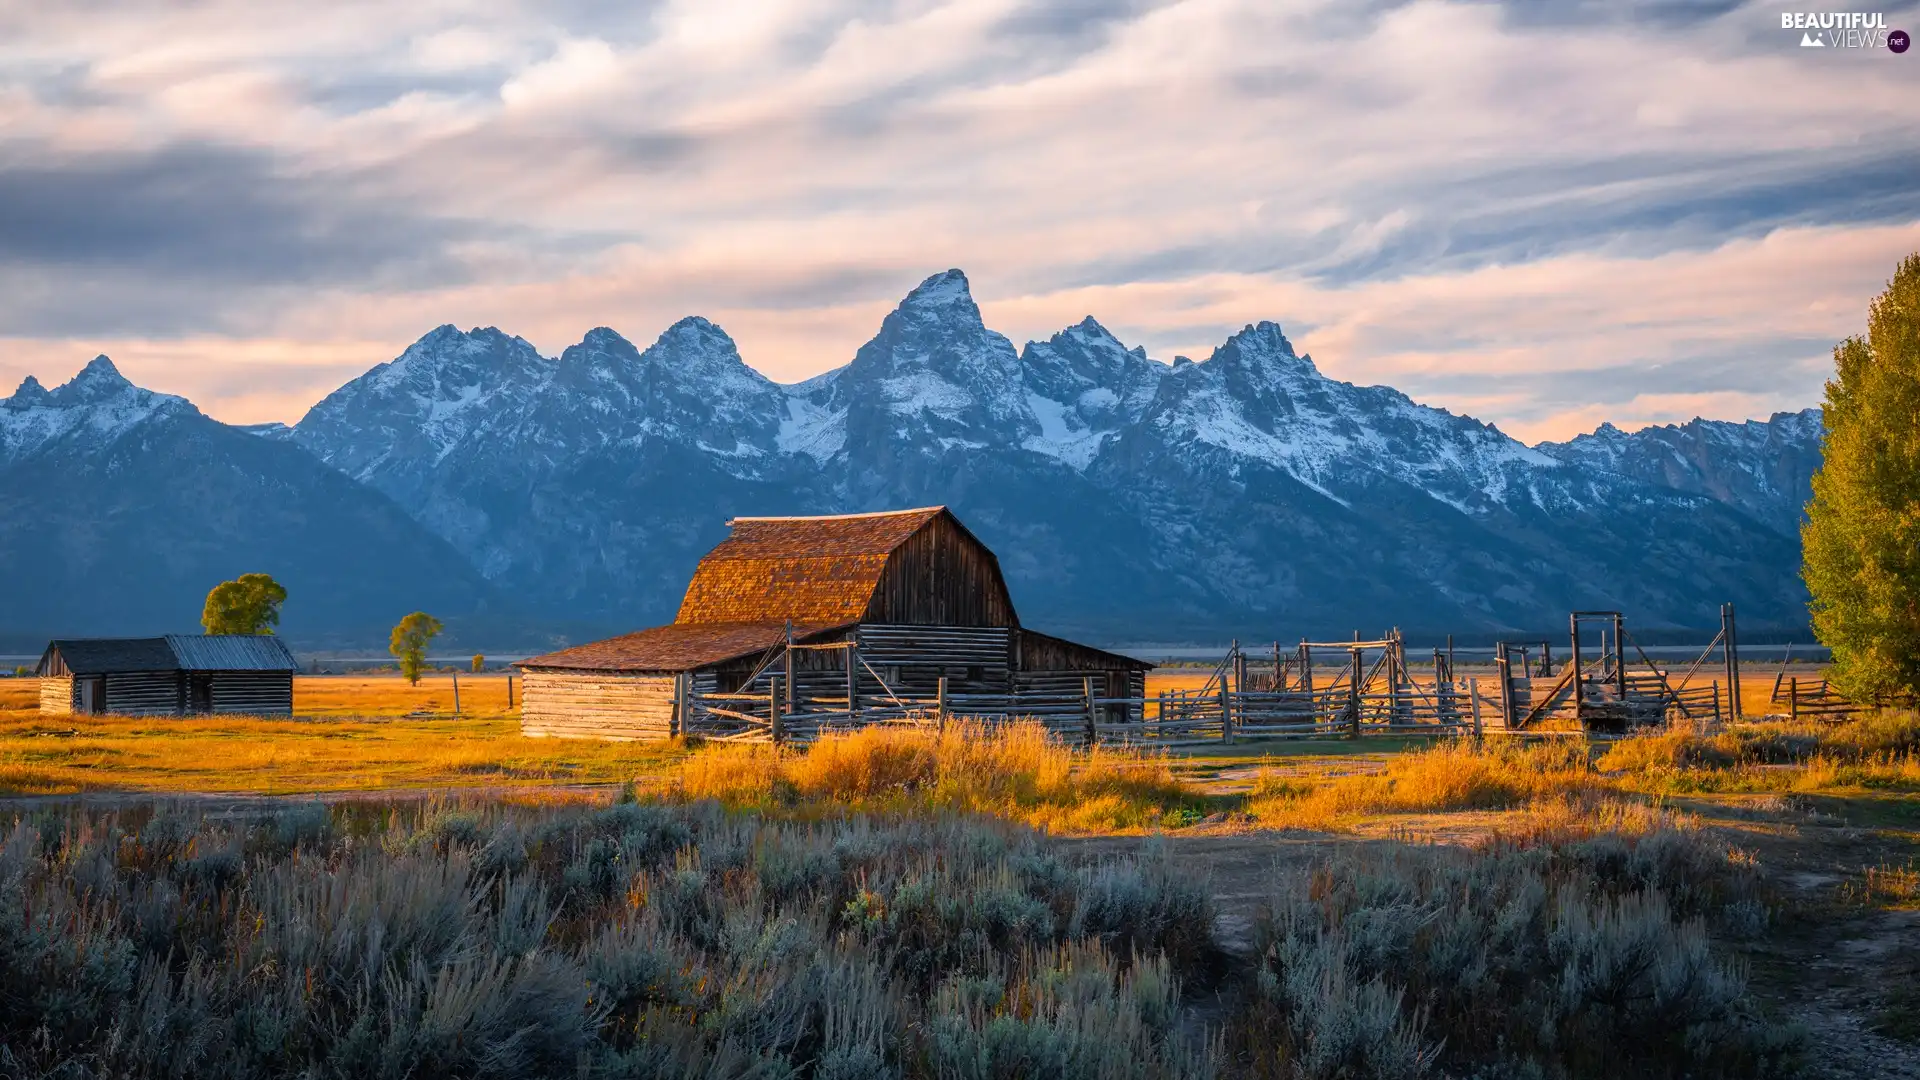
792,624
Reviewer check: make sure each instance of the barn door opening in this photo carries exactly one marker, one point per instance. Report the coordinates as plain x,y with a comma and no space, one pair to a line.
200,694
93,694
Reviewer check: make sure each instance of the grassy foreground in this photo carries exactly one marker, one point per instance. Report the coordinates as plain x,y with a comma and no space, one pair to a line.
683,939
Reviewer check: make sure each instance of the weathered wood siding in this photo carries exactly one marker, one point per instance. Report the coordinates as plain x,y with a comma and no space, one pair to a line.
592,705
57,695
942,576
253,693
143,693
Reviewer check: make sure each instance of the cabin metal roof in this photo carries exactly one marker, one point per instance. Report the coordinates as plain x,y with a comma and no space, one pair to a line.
675,647
818,570
174,652
231,652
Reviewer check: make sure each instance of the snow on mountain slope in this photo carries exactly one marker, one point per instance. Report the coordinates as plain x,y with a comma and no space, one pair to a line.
1255,398
934,379
593,480
98,405
1084,387
1763,467
408,414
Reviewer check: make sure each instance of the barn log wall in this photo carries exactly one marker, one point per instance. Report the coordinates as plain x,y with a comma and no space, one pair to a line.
58,696
143,693
596,705
253,693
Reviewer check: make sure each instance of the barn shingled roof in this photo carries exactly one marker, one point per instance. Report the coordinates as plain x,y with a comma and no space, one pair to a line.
815,570
674,647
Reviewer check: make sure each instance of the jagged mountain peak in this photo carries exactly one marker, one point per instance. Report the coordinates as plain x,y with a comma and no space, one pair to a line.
697,340
96,406
29,394
100,369
1262,343
98,381
948,289
1089,333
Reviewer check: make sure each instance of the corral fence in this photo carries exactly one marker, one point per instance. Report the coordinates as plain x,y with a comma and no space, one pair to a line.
1314,690
1372,693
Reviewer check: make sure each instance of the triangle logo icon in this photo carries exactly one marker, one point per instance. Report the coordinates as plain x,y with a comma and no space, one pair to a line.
1808,41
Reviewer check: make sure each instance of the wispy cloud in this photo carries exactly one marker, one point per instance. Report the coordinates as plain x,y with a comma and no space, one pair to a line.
1545,215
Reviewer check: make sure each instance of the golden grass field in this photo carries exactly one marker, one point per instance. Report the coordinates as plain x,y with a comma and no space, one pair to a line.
375,731
350,733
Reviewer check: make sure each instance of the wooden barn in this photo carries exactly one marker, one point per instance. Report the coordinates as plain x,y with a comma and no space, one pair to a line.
176,675
821,621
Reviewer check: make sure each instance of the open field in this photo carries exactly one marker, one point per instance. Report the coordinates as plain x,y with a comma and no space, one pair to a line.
1774,863
350,734
1627,910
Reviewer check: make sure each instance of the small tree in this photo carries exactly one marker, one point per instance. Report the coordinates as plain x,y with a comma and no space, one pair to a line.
479,663
249,604
409,644
1861,541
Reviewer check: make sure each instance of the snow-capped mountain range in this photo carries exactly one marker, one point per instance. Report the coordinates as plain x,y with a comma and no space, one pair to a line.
1128,499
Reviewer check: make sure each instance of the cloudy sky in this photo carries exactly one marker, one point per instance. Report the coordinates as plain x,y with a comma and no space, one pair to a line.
1541,214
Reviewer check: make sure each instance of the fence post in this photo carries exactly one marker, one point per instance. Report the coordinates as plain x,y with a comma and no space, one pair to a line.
1353,689
1226,712
1716,701
456,693
1793,699
940,702
1086,696
776,730
1473,695
853,683
509,692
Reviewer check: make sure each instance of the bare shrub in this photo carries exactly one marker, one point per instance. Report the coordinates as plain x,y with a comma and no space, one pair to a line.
1558,955
634,940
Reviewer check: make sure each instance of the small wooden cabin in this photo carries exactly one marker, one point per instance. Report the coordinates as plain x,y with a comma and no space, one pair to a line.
884,607
175,675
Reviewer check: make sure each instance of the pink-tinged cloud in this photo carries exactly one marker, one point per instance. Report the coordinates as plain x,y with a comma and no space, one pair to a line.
1542,216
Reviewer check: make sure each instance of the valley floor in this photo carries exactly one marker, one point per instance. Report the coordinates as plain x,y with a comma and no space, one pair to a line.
1828,820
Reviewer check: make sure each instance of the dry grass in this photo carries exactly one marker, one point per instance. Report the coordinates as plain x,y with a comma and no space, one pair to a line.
62,755
1450,777
349,733
1878,751
1014,771
1886,886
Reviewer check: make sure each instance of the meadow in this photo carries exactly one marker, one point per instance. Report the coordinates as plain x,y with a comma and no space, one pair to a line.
974,902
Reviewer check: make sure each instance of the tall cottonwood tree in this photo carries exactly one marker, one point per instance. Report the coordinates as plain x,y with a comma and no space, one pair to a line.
249,604
1861,539
410,641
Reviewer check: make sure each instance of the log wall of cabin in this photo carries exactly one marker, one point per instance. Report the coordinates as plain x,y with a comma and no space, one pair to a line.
596,705
942,576
142,693
58,696
253,693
